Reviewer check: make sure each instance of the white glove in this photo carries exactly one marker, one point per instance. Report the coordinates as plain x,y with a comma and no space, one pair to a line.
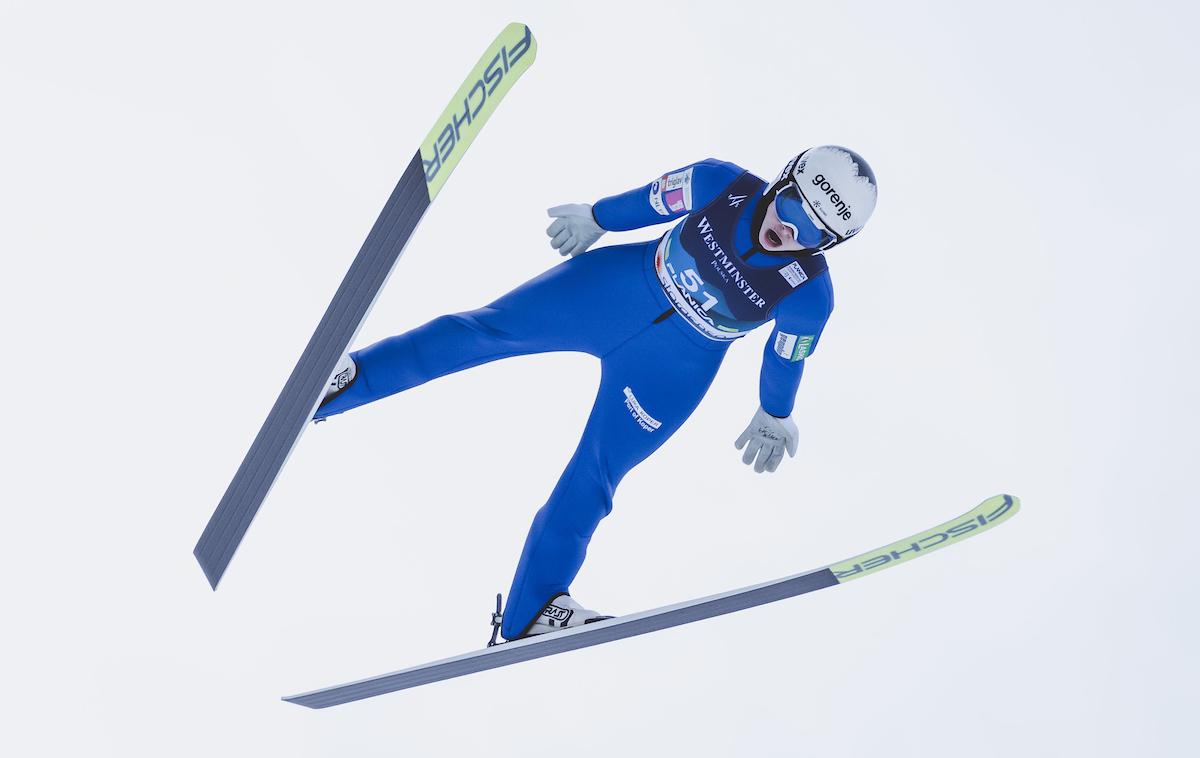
768,436
574,229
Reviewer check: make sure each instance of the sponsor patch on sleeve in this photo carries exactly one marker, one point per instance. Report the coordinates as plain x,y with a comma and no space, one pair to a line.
672,193
793,347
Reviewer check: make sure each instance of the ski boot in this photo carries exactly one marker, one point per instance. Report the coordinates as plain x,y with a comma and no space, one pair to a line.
343,376
562,612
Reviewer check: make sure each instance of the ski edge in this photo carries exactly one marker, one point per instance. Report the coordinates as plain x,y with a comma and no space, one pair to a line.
988,514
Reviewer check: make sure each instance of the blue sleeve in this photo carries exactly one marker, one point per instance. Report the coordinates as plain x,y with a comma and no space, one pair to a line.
799,320
668,197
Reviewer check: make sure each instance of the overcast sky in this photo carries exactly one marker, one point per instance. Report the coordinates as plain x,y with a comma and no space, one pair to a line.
183,185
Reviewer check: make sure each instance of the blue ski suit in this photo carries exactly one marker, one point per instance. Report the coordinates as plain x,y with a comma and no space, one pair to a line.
659,315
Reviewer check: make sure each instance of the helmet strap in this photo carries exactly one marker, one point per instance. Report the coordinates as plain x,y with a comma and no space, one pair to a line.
760,214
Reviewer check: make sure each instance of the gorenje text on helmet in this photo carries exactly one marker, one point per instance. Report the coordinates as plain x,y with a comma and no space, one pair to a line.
843,210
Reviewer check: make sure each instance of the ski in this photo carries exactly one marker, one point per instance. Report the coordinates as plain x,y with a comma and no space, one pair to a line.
512,52
986,515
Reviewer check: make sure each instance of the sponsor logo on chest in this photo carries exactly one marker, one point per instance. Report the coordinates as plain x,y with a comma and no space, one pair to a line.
794,274
725,266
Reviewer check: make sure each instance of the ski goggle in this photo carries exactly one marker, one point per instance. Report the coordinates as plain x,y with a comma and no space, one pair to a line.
794,213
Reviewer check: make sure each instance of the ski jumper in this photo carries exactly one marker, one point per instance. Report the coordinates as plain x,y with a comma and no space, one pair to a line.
659,315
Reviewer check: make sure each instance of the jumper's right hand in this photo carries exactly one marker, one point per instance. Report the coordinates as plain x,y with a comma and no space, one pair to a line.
574,229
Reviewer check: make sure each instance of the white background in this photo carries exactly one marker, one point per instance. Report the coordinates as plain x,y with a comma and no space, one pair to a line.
183,185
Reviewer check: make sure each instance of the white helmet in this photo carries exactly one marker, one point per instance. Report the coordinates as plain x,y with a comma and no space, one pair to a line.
837,188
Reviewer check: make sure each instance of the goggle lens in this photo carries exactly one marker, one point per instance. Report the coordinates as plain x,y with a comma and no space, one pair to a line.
794,213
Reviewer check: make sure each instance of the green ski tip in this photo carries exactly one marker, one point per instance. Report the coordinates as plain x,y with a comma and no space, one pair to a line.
989,513
509,56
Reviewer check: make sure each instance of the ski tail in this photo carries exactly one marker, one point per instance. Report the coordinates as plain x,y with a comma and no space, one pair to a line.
509,56
990,513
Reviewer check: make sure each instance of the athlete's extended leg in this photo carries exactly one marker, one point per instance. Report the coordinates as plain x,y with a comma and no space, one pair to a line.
648,388
563,309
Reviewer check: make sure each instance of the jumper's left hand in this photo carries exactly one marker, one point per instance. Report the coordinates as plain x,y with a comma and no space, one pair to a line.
768,437
574,229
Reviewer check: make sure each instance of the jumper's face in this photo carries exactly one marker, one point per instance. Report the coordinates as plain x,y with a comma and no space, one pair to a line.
776,236
788,225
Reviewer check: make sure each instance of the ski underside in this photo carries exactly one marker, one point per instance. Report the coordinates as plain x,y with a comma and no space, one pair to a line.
512,52
986,515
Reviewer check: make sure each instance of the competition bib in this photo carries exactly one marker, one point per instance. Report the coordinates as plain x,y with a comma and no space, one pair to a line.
705,278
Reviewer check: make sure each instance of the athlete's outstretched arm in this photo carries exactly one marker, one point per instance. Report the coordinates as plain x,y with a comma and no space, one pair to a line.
577,226
666,198
799,320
